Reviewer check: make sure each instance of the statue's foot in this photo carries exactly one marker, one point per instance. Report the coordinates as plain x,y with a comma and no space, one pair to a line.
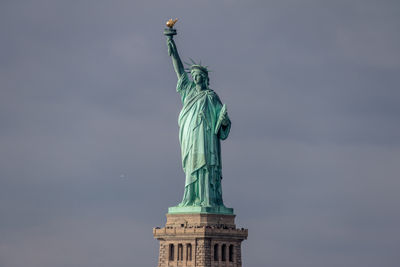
205,204
197,202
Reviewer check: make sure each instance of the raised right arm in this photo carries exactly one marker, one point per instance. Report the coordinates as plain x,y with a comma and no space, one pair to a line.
176,61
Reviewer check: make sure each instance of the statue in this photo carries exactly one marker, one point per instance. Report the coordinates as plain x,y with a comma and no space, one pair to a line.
203,122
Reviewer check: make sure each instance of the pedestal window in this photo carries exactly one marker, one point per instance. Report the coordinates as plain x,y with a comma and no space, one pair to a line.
223,252
180,252
216,252
189,252
231,253
171,252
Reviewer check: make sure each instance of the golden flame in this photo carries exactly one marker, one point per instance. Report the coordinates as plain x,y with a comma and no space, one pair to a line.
170,23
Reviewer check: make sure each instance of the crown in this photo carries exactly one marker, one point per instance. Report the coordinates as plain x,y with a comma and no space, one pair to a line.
196,66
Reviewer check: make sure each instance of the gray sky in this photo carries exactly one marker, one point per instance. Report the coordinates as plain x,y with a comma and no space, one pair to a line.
89,152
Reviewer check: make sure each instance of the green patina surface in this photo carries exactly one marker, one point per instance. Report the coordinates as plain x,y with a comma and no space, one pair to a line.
203,123
199,209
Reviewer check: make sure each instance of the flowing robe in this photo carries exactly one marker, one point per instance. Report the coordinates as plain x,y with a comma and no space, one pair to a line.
203,121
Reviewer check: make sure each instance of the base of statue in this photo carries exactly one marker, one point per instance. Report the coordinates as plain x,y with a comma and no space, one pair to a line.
200,240
200,209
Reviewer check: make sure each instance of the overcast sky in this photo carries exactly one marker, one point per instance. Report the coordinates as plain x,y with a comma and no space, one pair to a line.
89,151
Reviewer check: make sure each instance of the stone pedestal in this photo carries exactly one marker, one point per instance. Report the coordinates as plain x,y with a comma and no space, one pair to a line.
201,240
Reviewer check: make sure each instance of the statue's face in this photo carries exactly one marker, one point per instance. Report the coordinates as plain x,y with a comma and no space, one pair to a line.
197,77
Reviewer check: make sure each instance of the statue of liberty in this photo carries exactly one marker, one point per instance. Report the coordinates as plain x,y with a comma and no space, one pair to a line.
203,122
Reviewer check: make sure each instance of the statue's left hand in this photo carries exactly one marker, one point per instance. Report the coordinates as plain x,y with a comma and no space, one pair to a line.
225,122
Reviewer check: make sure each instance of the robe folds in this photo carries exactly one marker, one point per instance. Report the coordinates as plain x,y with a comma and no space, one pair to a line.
203,122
